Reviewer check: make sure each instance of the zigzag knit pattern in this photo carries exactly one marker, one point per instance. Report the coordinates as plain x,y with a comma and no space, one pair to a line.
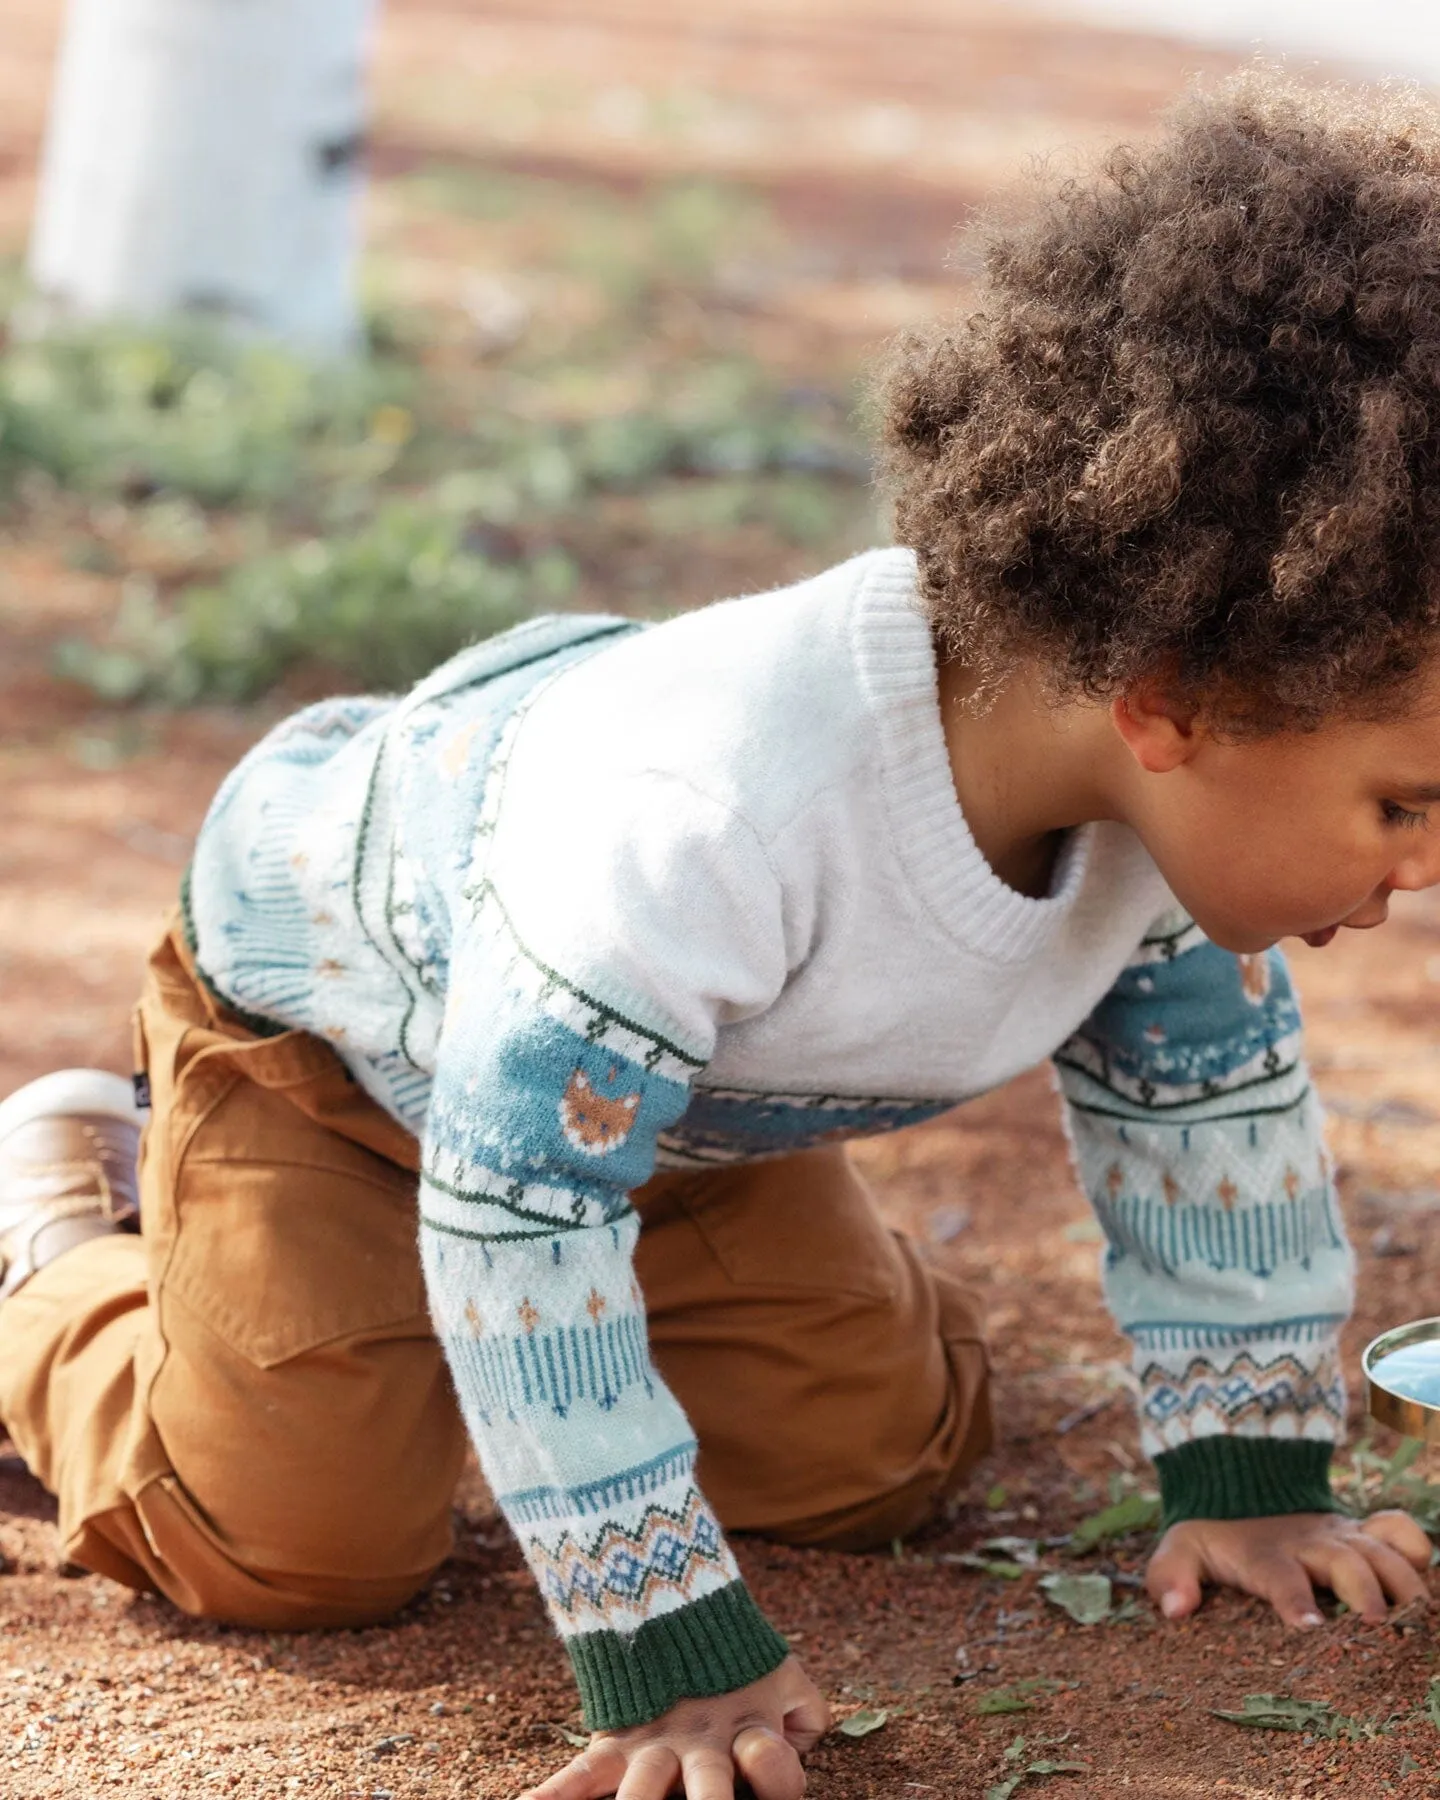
1239,1393
667,1551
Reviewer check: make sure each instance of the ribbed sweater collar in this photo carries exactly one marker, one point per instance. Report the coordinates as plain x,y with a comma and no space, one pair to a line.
895,656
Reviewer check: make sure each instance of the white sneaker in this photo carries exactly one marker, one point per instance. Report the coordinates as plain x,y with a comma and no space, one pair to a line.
68,1146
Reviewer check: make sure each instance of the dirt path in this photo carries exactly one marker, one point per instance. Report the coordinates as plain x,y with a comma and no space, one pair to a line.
467,1694
871,126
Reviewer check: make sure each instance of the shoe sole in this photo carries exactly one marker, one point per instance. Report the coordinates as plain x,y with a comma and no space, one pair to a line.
92,1092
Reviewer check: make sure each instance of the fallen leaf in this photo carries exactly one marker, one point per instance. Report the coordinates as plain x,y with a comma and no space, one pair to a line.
861,1724
1002,1790
987,1565
1279,1712
1282,1712
578,1739
1136,1512
1018,1697
1022,1549
996,1498
1432,1701
1002,1701
1085,1597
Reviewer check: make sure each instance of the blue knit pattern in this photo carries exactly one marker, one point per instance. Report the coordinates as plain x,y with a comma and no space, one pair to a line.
1198,1141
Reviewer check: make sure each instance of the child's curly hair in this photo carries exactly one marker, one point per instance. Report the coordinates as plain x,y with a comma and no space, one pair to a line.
1193,430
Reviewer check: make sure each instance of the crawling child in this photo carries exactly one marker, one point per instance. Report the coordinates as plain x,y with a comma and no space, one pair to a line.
499,1059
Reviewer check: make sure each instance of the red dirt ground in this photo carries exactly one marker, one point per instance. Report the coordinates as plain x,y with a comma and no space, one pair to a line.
871,126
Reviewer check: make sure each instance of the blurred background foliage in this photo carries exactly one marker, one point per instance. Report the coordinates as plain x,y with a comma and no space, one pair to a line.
597,425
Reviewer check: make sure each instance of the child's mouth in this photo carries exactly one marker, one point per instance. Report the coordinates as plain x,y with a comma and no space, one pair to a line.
1317,940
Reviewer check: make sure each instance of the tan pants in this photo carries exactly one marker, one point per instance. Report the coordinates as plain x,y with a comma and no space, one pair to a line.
246,1409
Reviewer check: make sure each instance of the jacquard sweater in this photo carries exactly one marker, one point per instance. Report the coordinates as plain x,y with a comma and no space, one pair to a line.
595,897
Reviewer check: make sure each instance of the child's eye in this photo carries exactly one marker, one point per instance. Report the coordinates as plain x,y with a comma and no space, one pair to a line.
1395,814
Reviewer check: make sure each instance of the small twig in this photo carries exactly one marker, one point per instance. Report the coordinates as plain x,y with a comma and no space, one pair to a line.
1082,1414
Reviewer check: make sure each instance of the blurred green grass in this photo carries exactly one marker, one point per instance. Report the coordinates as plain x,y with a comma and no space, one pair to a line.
593,420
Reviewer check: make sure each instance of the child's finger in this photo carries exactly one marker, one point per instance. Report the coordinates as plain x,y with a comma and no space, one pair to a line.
592,1774
1400,1532
709,1774
1284,1581
1172,1578
807,1723
653,1772
1400,1580
1347,1572
769,1764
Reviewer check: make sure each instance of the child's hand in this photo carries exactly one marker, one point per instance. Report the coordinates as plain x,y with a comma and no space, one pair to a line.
1359,1560
700,1746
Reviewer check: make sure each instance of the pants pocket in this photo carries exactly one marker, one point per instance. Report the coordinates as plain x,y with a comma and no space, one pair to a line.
795,1224
286,1236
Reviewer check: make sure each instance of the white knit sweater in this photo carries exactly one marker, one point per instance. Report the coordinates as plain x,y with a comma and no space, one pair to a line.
595,896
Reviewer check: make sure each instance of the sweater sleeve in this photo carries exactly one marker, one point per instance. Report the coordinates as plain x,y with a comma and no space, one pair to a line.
606,931
1199,1141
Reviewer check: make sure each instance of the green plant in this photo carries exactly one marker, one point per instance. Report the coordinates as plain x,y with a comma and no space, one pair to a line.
683,237
378,608
255,513
112,413
721,420
1135,1512
1371,1482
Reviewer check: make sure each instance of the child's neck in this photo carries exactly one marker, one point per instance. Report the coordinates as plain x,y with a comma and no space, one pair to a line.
1026,770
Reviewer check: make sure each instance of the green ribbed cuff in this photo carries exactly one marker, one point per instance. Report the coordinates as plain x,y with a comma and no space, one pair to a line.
711,1646
1244,1478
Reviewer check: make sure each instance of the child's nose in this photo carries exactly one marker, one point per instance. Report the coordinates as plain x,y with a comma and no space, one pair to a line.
1419,868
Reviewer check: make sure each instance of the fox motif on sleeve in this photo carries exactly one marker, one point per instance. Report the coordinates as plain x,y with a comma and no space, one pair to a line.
593,1122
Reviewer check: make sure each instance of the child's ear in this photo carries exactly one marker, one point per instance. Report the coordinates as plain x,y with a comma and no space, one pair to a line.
1159,730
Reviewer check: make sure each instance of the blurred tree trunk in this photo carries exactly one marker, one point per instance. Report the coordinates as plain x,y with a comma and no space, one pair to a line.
203,157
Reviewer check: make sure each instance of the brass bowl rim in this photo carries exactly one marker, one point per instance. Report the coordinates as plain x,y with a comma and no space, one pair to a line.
1402,1413
1398,1337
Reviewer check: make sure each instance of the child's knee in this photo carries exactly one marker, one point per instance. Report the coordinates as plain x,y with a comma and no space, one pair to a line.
835,1418
904,1468
163,1543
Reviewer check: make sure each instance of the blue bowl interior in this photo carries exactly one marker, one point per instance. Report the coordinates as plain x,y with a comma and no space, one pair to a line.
1412,1372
